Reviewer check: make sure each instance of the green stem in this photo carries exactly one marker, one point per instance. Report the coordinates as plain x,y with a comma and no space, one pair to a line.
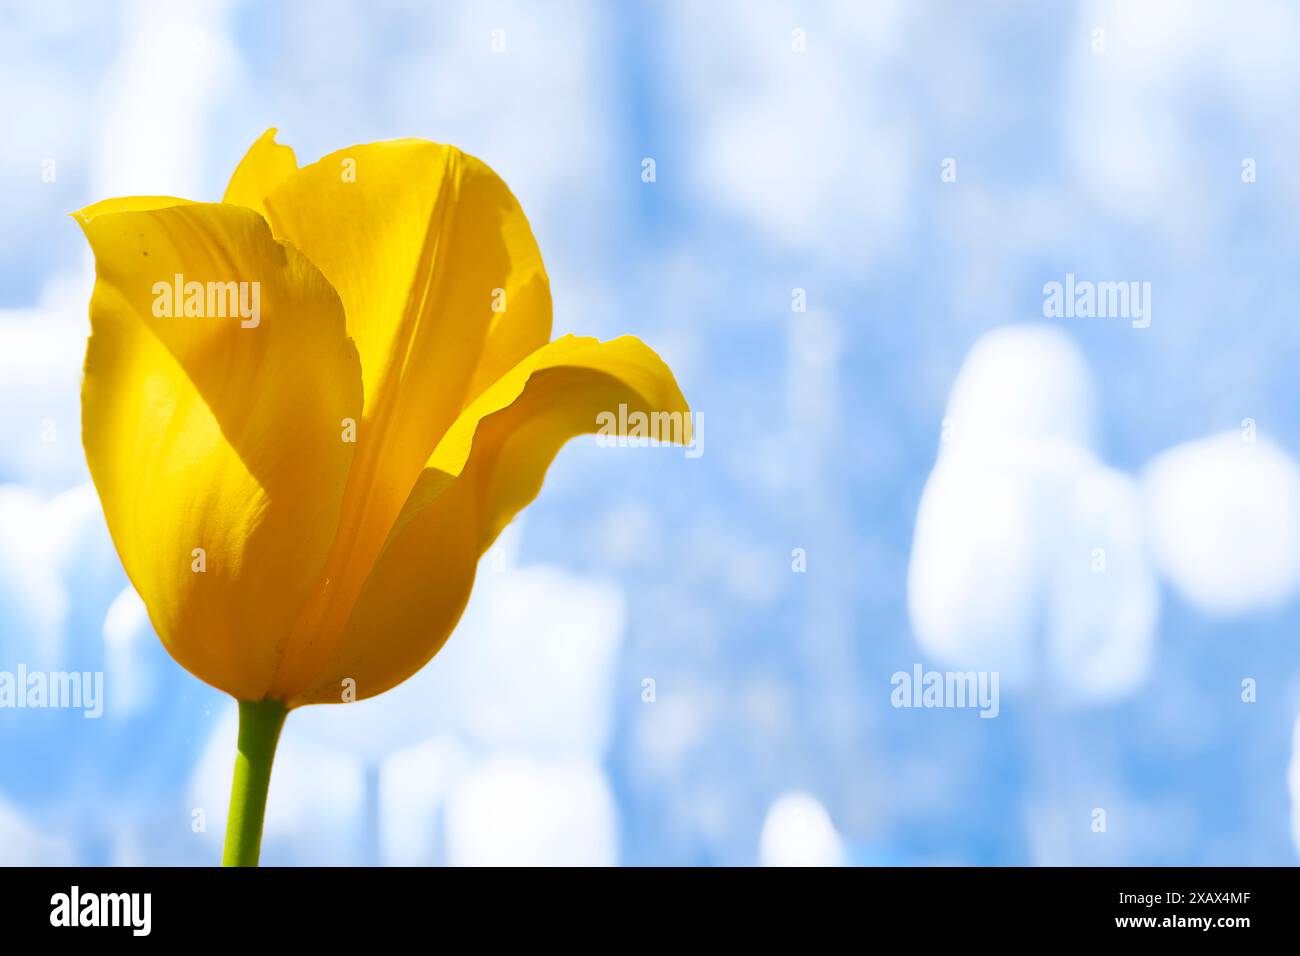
259,731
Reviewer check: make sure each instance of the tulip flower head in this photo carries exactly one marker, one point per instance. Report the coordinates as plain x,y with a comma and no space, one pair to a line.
308,410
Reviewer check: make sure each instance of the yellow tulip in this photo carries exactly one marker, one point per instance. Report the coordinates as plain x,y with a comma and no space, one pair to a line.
308,410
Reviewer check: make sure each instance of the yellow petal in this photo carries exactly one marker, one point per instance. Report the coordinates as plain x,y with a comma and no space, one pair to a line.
128,204
490,464
215,443
422,243
264,167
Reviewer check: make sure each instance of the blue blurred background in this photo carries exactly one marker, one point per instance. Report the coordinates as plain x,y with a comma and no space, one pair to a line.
669,660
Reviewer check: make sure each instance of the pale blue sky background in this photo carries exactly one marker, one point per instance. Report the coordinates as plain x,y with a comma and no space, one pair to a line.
528,739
